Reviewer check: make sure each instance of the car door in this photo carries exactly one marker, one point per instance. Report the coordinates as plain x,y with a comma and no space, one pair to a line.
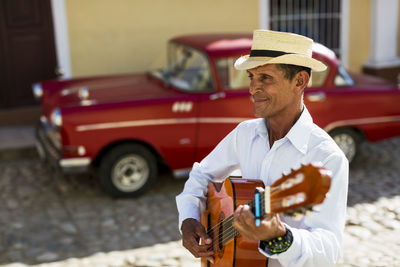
367,104
222,110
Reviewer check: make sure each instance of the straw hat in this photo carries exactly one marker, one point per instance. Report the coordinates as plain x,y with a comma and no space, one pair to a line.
271,47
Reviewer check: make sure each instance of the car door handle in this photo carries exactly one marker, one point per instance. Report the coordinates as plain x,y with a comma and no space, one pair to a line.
316,97
217,95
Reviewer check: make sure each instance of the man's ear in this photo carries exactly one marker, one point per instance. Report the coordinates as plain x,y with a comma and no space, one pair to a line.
301,80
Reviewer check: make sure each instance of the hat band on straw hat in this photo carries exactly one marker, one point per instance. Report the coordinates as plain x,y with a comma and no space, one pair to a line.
267,53
271,47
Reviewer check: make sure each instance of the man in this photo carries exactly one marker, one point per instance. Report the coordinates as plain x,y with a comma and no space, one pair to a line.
282,138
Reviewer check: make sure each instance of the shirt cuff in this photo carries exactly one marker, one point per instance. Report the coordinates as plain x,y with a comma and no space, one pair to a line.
293,251
189,211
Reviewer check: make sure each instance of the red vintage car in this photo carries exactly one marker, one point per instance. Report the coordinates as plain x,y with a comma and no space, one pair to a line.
125,127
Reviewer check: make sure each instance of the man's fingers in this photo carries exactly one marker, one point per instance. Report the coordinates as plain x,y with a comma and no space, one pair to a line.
192,230
202,252
206,254
199,250
244,222
248,216
200,231
238,211
244,216
198,246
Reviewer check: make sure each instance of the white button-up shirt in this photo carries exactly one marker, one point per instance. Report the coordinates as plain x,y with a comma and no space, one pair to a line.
317,239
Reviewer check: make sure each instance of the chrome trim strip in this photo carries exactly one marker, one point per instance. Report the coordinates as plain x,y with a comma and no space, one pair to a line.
50,133
182,173
48,138
74,162
139,123
336,124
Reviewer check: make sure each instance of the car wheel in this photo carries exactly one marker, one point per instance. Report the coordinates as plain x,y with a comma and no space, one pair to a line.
127,170
348,141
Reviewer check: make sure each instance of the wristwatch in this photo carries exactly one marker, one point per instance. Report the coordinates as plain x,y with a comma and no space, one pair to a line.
278,244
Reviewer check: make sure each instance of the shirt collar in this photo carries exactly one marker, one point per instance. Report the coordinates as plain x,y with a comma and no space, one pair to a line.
261,129
298,135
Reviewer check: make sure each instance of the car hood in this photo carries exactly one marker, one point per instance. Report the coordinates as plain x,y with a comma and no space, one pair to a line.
106,89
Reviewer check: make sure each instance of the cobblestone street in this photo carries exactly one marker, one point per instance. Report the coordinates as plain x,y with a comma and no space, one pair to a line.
48,219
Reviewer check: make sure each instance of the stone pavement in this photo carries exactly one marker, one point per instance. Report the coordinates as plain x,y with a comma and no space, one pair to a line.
47,219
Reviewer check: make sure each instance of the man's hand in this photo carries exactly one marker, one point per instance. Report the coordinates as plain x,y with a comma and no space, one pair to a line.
270,227
192,231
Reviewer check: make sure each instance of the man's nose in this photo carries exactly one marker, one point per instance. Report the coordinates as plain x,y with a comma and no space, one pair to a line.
254,87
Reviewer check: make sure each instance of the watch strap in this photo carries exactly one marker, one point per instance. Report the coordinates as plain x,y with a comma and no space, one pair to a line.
279,244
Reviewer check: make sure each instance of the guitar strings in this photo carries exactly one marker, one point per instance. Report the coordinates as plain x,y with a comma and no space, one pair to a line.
274,191
230,232
251,203
227,234
216,238
228,219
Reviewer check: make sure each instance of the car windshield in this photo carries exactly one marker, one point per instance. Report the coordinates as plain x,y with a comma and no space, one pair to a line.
188,69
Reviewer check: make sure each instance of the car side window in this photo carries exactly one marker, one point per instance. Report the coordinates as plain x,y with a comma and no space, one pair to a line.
231,78
189,69
342,78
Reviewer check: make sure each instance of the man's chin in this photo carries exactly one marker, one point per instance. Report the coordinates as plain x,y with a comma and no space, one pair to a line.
260,114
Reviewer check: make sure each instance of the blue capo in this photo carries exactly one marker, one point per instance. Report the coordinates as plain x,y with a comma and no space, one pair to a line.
257,207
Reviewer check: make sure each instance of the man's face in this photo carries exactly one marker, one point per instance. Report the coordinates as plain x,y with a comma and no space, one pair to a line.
271,93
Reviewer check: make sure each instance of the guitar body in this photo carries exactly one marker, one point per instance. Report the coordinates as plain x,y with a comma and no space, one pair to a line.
222,201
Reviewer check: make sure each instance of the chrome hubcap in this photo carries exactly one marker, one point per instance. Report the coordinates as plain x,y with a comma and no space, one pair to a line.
130,173
347,144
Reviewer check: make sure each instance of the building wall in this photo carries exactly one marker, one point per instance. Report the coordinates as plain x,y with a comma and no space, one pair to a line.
359,34
123,36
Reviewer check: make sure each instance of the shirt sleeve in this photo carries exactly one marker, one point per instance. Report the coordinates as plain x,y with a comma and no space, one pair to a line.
215,167
319,241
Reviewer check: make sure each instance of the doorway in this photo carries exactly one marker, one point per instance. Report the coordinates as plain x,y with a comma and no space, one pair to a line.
27,50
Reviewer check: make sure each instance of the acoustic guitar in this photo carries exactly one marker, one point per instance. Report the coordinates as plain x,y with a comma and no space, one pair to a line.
293,194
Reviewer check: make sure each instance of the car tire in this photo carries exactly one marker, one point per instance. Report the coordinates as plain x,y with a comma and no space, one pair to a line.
127,170
348,141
